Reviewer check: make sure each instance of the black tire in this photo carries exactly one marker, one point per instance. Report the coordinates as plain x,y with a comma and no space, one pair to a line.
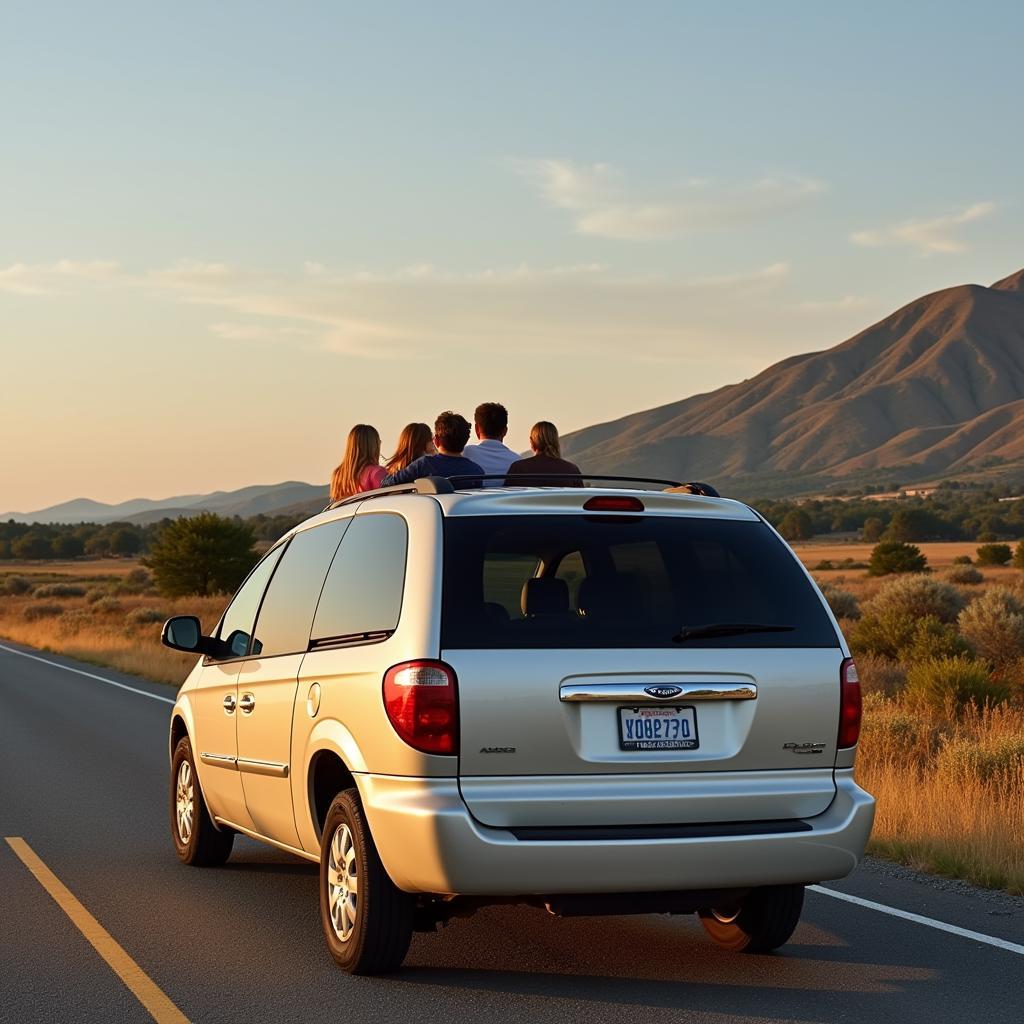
765,920
378,938
204,845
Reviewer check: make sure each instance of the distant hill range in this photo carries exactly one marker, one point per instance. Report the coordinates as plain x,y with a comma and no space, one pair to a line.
934,390
270,499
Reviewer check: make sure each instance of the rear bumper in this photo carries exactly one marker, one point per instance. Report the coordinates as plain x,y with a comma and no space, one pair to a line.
429,842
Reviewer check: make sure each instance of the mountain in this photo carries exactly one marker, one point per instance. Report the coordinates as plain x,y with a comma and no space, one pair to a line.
269,499
934,389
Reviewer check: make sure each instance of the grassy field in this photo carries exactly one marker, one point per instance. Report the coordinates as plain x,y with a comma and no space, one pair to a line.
949,780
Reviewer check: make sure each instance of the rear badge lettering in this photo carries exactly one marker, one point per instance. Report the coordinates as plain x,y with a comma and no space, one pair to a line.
663,692
497,750
805,748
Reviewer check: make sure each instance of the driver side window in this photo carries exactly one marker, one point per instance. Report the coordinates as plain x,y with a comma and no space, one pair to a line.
236,625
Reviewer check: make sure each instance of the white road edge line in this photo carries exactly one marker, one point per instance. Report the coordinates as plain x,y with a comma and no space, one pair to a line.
88,675
930,922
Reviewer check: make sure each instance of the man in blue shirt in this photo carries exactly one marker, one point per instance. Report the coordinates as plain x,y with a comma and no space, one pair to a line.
491,424
451,432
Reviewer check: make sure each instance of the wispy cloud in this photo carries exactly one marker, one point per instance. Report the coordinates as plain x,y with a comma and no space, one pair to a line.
48,278
929,236
604,207
841,305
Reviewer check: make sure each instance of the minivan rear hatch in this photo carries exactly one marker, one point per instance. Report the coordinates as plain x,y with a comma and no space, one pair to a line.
637,668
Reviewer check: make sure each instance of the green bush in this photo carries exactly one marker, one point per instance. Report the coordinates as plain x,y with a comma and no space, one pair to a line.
994,554
993,623
962,759
964,575
145,616
892,556
59,590
15,586
962,560
824,565
843,604
204,554
137,581
918,595
880,675
42,610
936,683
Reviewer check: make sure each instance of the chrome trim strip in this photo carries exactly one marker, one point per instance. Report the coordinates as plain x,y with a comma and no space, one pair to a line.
630,692
254,767
219,760
264,839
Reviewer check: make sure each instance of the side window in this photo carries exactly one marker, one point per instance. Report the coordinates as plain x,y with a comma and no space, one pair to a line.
285,617
363,591
236,625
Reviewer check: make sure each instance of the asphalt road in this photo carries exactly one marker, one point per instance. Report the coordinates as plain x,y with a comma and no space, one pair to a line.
83,779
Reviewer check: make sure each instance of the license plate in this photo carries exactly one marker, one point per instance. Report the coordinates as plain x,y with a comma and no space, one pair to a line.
658,728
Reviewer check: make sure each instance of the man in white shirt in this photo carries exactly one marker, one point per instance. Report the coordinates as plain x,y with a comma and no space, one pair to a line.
491,454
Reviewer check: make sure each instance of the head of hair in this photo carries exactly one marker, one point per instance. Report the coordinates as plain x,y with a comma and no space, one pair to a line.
412,443
362,449
544,440
451,431
491,419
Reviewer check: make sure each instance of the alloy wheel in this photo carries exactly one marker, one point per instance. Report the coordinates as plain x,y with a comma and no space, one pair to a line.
343,883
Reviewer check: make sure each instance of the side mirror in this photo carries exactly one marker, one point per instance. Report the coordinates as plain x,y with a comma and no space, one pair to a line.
183,633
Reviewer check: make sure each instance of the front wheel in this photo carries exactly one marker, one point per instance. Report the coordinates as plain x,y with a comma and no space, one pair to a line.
367,920
196,839
764,920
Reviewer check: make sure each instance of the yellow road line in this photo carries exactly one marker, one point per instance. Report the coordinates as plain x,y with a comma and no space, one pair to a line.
160,1008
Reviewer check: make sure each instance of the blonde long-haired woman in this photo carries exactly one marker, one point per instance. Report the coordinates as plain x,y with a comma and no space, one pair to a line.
360,468
546,461
415,440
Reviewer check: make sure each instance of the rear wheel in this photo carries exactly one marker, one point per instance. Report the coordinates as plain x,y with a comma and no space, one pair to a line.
764,920
196,839
367,920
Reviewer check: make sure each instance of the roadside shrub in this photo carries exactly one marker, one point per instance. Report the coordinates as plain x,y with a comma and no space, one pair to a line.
843,604
880,675
203,554
934,639
937,683
993,624
59,590
824,565
145,616
15,586
892,556
108,605
137,581
94,594
994,554
964,575
962,560
42,610
917,596
889,725
989,759
895,634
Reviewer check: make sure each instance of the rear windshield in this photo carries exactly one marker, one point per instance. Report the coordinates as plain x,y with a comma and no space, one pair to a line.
567,581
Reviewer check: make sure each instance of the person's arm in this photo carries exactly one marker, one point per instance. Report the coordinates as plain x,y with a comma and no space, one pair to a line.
406,476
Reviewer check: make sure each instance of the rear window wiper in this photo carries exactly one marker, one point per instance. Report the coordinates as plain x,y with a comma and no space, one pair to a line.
728,629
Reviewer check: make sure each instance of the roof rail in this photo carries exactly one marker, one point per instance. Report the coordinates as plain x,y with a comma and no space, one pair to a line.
425,485
572,478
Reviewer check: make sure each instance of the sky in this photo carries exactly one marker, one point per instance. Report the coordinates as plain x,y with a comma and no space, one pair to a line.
229,232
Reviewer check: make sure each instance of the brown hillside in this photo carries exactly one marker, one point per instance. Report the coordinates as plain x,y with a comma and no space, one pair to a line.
936,386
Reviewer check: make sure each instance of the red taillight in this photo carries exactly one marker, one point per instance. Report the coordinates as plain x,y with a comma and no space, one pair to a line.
849,705
421,702
613,503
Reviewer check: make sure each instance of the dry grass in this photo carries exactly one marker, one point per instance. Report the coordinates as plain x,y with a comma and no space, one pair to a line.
939,810
104,631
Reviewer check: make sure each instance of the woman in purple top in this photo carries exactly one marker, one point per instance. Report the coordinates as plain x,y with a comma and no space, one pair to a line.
546,460
360,468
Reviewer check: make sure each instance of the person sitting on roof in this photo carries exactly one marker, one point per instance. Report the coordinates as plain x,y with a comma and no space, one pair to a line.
360,468
451,432
546,461
490,421
415,440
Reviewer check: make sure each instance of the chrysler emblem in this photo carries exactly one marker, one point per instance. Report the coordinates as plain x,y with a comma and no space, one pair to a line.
663,692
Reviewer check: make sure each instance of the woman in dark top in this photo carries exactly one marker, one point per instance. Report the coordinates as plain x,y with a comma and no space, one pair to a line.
547,459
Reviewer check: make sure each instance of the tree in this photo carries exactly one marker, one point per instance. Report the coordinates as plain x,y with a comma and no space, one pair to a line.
873,529
68,545
205,554
796,525
32,545
124,541
98,544
910,524
895,556
994,554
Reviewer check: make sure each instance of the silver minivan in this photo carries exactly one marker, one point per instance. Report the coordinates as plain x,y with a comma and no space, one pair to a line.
596,700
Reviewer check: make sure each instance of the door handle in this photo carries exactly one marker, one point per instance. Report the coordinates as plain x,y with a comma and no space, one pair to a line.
229,703
247,703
